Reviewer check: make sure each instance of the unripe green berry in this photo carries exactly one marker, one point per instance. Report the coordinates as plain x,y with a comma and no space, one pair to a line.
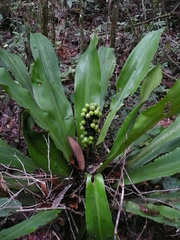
83,122
87,115
91,138
92,125
83,114
96,112
100,114
96,127
92,107
82,127
91,113
87,105
90,142
82,136
85,139
84,110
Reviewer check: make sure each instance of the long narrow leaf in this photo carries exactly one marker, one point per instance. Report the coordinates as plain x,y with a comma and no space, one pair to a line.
43,50
107,63
87,81
49,92
133,72
151,81
164,166
42,149
26,100
14,64
49,98
166,141
11,157
29,225
171,198
8,206
162,214
149,118
98,216
23,97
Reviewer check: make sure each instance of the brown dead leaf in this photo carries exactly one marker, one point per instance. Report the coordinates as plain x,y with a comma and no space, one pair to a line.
73,202
3,187
44,188
78,152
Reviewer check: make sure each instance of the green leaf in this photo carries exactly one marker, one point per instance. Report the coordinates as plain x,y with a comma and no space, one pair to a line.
14,64
164,166
107,63
42,149
166,215
166,141
18,181
8,206
138,62
49,92
171,183
171,198
43,50
52,111
155,76
133,72
151,81
150,117
49,98
29,225
11,157
87,81
23,97
26,100
98,216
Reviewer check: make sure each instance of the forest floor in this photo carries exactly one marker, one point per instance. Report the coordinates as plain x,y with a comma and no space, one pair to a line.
68,51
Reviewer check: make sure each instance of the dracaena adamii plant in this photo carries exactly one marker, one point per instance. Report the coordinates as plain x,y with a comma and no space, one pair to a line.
81,136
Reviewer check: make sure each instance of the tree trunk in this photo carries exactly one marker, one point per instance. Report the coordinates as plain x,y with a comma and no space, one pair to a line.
44,17
114,20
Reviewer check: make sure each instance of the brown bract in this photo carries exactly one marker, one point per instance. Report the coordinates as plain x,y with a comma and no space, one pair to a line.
77,152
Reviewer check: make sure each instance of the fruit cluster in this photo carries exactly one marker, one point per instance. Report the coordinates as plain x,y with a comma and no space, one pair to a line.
91,115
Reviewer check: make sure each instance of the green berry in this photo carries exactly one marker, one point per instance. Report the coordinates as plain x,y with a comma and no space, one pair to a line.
82,136
83,114
100,114
82,127
96,112
91,113
85,139
84,110
87,115
83,122
92,107
96,127
91,138
92,125
87,105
